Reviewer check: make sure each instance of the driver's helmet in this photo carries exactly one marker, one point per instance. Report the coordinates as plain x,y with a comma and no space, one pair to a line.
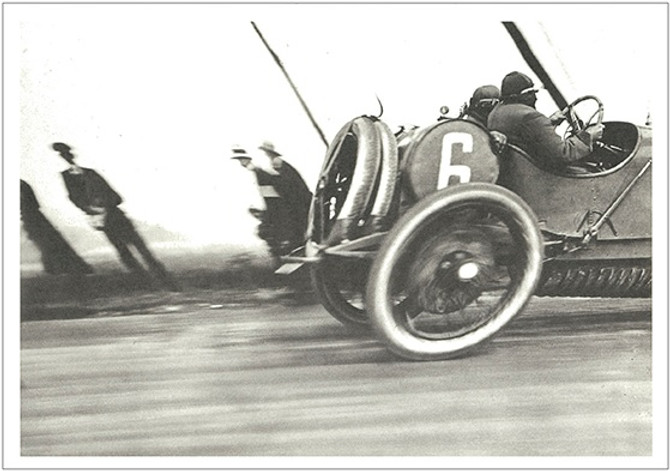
516,84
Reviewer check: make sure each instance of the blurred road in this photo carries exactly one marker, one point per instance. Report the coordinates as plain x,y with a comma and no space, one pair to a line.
568,377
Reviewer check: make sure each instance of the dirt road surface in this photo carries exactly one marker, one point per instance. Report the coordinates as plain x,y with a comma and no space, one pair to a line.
234,375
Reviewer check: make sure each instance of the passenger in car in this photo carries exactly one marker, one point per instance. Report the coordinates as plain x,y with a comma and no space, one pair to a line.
516,117
483,100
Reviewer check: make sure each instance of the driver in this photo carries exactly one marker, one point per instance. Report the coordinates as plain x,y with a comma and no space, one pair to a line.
516,117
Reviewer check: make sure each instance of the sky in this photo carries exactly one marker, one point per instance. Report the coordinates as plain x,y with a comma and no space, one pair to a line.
153,96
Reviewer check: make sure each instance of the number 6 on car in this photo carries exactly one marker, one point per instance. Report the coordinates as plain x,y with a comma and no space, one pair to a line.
447,170
443,155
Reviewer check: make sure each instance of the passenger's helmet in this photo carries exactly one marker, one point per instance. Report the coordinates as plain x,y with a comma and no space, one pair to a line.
485,98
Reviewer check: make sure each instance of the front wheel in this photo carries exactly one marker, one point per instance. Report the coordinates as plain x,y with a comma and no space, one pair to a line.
455,269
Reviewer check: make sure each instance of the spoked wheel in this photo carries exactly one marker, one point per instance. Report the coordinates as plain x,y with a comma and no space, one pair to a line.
455,269
338,284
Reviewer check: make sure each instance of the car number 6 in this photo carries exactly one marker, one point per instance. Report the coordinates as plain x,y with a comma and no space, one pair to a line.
447,170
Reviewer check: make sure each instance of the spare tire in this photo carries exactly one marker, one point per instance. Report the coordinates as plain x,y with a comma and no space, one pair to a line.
345,192
387,180
353,196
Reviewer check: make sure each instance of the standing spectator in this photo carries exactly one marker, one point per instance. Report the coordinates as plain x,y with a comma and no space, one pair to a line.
295,193
274,227
58,257
92,194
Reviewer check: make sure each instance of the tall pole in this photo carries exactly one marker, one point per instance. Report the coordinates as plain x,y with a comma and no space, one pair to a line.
295,90
534,63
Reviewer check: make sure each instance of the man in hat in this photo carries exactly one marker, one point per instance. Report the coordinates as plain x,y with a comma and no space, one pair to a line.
274,227
483,100
91,193
294,192
517,118
265,179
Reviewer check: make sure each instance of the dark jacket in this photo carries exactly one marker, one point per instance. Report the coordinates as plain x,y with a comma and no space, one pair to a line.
89,190
529,129
293,188
266,183
29,204
472,115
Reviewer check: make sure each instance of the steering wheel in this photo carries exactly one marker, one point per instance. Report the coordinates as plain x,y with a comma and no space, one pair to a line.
575,124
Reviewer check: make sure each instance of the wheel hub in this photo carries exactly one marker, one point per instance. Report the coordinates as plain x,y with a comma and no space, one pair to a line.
468,271
446,273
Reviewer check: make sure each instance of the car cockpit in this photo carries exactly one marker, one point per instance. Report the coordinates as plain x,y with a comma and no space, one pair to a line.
617,146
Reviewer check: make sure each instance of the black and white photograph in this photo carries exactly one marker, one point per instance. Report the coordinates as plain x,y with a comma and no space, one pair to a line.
335,235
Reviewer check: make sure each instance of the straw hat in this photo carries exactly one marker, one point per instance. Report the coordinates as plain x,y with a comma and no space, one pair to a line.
269,147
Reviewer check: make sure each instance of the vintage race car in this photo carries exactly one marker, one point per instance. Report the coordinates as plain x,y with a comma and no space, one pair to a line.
437,237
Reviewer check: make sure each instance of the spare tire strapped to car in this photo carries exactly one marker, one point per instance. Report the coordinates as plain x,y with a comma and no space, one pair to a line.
356,178
363,190
357,181
388,174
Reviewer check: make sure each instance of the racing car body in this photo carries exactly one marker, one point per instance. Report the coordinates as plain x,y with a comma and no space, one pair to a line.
567,202
438,237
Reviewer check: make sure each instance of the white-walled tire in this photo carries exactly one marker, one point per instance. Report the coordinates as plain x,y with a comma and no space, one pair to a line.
455,269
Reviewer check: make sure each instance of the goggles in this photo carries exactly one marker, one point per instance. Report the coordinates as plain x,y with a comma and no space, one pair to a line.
531,89
488,102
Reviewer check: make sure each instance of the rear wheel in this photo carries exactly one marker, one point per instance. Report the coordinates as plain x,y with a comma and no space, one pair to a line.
338,285
454,270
